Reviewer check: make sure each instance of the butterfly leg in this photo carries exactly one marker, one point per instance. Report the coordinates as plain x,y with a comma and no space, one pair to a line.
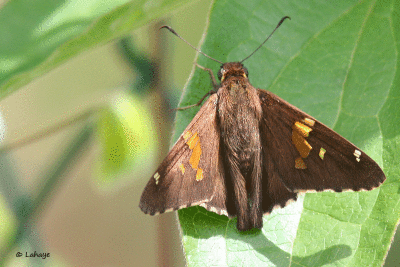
215,85
198,103
213,80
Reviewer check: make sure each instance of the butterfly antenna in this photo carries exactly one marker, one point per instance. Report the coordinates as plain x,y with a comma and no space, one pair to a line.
277,26
180,37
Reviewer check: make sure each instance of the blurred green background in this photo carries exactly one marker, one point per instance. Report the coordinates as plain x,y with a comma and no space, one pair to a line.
87,223
90,219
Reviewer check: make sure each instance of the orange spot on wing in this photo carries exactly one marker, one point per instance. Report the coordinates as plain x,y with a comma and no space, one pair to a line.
194,145
199,174
182,168
301,144
300,164
193,141
322,153
187,135
304,130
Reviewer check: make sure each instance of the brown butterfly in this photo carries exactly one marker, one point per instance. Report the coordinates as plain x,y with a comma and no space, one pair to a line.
248,151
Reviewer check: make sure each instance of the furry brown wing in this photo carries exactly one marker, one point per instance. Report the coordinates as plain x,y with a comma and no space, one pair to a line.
304,154
190,174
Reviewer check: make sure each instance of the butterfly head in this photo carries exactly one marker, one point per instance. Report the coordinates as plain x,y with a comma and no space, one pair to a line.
232,69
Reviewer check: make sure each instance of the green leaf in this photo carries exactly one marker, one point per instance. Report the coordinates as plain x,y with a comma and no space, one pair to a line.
336,61
127,138
38,36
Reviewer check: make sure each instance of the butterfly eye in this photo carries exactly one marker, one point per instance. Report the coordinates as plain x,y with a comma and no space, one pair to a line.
246,72
221,73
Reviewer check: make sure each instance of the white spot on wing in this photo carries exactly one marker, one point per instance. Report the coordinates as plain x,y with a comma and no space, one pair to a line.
357,154
305,191
183,206
156,177
214,209
198,203
309,122
278,206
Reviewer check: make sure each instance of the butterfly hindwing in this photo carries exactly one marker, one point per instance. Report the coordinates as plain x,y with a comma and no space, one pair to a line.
190,174
307,155
274,192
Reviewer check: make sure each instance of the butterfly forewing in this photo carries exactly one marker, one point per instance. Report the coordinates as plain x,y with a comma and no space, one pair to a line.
190,174
307,155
